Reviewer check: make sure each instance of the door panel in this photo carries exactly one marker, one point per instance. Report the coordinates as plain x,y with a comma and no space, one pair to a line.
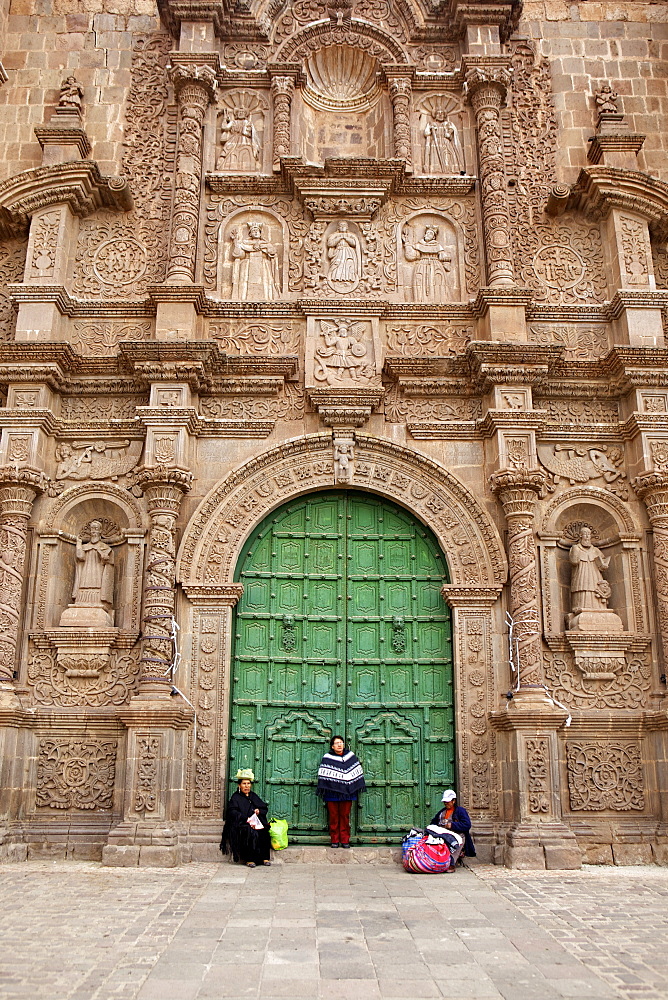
342,628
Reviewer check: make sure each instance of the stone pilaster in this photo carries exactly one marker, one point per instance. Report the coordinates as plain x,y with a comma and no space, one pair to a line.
194,86
400,94
518,491
487,80
18,490
652,488
282,89
164,489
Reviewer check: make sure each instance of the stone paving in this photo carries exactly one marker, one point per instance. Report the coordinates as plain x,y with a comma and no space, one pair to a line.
78,931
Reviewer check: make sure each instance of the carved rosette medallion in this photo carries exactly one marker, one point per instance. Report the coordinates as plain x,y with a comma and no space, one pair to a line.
163,489
518,492
605,775
486,87
75,773
18,489
195,88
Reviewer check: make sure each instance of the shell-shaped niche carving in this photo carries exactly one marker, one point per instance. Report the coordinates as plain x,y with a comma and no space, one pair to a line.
341,78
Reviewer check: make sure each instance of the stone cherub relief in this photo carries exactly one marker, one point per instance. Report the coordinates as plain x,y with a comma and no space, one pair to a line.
255,264
343,355
93,589
344,253
71,96
441,148
96,460
606,100
241,132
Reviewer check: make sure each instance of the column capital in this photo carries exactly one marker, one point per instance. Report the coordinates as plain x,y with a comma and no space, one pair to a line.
518,489
486,72
652,488
18,490
164,488
185,72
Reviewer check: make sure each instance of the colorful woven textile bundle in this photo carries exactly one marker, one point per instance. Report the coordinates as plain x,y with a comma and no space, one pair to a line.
426,858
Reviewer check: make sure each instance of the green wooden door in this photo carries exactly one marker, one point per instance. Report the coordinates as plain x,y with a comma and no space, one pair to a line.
342,628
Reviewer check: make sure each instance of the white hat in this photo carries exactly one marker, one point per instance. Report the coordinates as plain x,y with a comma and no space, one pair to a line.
449,795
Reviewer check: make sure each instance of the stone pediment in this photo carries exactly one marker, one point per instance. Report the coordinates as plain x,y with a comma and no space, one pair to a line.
600,189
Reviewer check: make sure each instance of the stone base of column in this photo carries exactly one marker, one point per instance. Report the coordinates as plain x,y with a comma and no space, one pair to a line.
12,844
549,845
146,844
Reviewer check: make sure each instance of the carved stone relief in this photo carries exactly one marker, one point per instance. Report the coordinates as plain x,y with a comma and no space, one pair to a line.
563,262
601,465
105,459
457,234
477,740
579,411
428,272
242,126
96,339
605,775
289,405
581,342
75,773
12,266
146,781
91,681
538,774
209,635
44,240
635,250
82,409
438,140
263,338
344,353
415,340
117,256
344,257
399,407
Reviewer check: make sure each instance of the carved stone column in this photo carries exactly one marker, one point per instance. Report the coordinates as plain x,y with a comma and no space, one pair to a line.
486,86
652,488
518,491
18,489
164,490
282,89
400,95
194,86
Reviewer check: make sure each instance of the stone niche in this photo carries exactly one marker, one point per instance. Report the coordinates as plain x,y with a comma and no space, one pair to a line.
605,631
252,256
430,259
344,112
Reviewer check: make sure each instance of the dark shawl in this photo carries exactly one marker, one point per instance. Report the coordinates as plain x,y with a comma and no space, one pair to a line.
241,840
460,823
340,778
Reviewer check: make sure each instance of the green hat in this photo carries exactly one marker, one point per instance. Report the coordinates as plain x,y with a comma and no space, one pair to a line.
244,773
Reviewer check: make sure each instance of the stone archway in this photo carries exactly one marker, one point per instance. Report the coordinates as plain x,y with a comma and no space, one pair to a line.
213,542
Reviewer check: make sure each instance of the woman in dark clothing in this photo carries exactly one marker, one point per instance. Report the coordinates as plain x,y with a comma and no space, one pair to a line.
242,834
340,779
455,818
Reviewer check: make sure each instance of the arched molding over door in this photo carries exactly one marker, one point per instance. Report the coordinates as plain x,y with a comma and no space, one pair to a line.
216,534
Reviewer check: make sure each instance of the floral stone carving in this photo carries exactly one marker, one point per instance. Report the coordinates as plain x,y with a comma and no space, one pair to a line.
605,775
75,773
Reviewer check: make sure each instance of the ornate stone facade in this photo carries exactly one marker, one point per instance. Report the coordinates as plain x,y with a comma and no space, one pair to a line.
258,253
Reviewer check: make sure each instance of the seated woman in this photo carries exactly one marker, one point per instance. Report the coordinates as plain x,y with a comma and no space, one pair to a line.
456,819
246,830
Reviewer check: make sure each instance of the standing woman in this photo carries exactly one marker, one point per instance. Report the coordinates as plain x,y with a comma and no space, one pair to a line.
340,779
246,830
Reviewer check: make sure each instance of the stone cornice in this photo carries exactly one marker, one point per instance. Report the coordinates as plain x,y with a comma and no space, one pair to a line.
599,189
602,143
78,184
504,13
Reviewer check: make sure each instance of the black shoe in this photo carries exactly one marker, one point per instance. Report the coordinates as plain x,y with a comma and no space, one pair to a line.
347,846
333,845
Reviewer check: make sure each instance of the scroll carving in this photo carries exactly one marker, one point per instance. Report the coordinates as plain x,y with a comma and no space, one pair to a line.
12,266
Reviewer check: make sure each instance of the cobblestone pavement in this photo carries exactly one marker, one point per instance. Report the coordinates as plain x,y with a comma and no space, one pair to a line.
78,931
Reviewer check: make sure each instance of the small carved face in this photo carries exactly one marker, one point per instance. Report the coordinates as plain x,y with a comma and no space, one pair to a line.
63,452
585,537
343,227
438,114
239,114
255,230
430,233
95,531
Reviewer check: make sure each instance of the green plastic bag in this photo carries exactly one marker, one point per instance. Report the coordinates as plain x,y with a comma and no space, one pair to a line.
278,833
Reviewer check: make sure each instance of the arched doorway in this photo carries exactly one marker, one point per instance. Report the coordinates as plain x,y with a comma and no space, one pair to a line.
342,628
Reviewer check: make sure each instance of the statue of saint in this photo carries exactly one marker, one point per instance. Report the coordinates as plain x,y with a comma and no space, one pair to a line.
345,257
606,100
71,95
255,266
589,591
430,274
94,577
442,149
240,144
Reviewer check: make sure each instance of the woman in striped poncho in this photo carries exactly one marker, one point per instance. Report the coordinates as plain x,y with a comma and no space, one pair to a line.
340,780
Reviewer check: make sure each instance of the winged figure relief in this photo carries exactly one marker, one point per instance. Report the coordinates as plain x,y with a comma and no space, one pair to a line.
582,464
99,460
342,354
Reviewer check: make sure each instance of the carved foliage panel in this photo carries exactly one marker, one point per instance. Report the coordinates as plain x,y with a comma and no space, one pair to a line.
100,338
581,341
76,773
147,782
91,680
263,337
433,339
210,640
539,784
12,265
400,408
478,762
605,775
290,404
628,689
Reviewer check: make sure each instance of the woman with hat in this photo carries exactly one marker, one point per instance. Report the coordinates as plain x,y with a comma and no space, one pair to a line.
246,830
455,818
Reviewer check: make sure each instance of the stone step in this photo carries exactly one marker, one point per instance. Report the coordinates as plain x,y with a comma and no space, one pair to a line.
358,854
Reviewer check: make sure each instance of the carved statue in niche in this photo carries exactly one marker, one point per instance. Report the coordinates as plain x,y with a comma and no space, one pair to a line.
345,259
93,590
344,454
589,590
344,356
606,100
433,262
241,132
441,149
255,274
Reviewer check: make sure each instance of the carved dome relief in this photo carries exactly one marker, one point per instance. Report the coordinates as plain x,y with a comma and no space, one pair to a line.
341,78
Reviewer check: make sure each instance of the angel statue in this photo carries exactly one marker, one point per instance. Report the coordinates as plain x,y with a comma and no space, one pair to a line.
343,356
